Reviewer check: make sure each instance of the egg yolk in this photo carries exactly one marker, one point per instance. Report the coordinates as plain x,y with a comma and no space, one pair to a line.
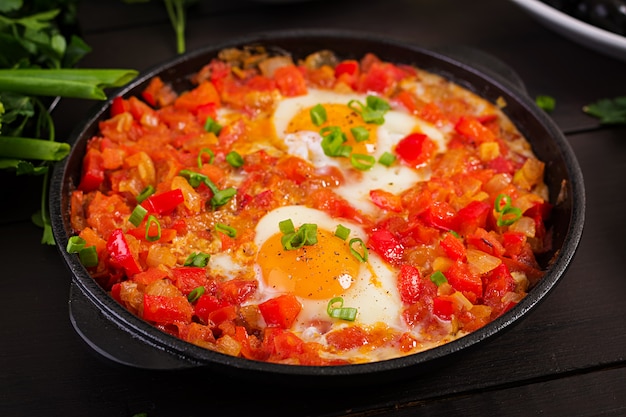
320,271
341,116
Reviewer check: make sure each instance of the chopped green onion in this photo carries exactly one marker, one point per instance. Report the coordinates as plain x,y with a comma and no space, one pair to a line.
199,259
211,126
361,161
342,232
333,142
361,257
195,294
206,151
194,178
371,112
75,244
545,103
88,256
286,227
387,159
341,312
455,234
497,204
360,133
137,216
211,186
306,235
509,216
145,193
377,103
153,221
226,229
222,197
234,159
318,114
438,278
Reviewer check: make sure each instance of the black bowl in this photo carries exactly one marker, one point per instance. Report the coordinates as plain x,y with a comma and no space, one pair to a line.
119,335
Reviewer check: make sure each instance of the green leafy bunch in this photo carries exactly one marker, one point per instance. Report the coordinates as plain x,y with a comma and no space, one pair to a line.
39,48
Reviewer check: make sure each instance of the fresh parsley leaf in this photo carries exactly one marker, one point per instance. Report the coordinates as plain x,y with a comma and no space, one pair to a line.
609,111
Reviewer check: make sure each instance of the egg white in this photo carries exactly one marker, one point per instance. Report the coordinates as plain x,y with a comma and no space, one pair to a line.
374,292
397,125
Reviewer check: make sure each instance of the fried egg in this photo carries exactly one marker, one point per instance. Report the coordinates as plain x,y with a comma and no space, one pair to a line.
317,273
301,137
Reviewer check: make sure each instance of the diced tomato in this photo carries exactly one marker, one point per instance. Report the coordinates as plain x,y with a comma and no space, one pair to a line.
386,200
141,112
453,247
415,149
462,279
166,310
281,311
497,283
296,169
236,291
115,292
474,130
381,78
513,243
223,314
388,246
149,276
440,215
327,200
290,81
347,338
486,242
203,94
93,171
408,101
206,304
409,283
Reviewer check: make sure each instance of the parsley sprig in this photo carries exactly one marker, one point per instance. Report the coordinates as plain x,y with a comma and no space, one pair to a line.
609,111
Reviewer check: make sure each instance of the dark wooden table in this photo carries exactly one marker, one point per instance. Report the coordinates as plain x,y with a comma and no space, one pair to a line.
566,358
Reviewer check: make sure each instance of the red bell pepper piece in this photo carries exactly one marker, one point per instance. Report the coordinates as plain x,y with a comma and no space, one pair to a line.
415,149
93,171
187,278
166,310
204,93
443,307
280,311
440,215
163,203
464,280
119,106
349,66
120,254
453,247
206,305
388,246
472,216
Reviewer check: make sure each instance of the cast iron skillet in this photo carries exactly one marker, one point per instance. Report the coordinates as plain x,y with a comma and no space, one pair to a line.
119,335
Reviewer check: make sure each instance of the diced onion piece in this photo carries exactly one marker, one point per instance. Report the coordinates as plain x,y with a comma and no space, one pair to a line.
530,174
511,297
527,201
488,151
270,65
229,346
497,183
461,301
481,261
524,225
193,201
441,263
521,280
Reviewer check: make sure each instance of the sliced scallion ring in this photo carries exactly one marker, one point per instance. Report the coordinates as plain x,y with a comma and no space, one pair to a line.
234,159
438,278
318,114
363,255
362,162
153,221
226,229
340,312
145,193
205,151
137,216
195,294
342,232
199,259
